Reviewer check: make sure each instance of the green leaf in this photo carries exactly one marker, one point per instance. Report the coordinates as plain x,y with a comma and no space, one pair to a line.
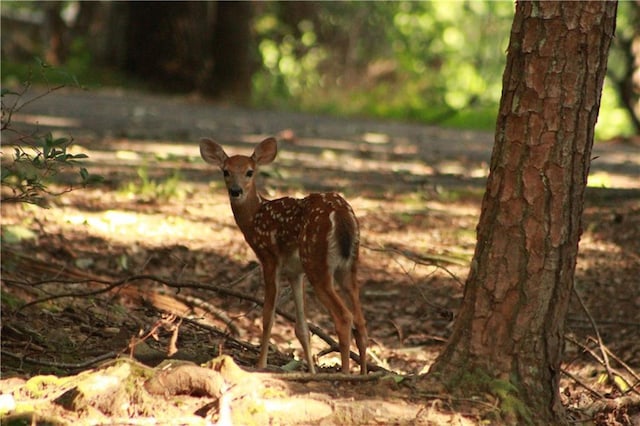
42,63
94,179
48,138
61,156
292,365
84,174
59,141
5,173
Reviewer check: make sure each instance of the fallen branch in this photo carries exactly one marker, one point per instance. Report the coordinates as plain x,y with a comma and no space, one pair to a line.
631,403
625,366
427,259
581,383
224,290
614,373
205,306
331,377
63,365
605,357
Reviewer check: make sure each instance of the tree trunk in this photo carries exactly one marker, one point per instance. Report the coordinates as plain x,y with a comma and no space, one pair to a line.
508,337
166,41
232,52
55,31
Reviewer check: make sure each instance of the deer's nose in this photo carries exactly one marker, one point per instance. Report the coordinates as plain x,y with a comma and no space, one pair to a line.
235,192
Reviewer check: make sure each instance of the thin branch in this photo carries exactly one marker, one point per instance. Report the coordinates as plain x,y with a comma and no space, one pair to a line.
630,370
110,285
225,335
605,357
441,310
425,259
613,371
331,377
581,383
205,306
64,365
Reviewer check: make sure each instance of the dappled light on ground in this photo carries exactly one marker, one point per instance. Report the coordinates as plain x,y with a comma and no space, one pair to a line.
158,237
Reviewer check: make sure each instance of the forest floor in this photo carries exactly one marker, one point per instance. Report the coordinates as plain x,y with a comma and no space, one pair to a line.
102,269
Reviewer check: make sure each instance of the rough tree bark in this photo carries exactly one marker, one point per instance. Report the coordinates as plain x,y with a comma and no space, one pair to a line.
508,336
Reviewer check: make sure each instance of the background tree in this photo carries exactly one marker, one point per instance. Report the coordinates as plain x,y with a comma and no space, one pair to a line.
232,53
624,61
165,42
54,34
423,61
508,336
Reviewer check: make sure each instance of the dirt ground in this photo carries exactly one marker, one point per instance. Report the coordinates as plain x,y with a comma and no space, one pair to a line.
106,266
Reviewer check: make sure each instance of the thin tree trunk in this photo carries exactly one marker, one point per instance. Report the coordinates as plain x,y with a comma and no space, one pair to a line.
508,336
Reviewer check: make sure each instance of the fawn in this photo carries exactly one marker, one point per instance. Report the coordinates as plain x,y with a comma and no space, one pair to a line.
317,236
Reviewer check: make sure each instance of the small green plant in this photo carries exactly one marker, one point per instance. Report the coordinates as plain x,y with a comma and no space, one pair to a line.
37,156
149,189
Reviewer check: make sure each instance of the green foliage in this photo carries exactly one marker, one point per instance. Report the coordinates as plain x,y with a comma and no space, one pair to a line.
37,157
148,189
431,62
475,382
292,65
421,61
614,119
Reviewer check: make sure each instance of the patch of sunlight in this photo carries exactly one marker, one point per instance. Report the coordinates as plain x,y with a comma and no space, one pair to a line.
127,155
12,234
128,225
46,120
599,180
613,120
376,138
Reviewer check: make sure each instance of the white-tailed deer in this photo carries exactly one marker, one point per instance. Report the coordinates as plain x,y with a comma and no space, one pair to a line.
316,236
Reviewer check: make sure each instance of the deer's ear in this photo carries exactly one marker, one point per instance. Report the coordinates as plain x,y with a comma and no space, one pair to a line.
266,151
212,152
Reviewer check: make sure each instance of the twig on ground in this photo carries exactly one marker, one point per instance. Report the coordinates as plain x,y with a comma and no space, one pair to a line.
167,322
227,336
623,364
602,322
207,307
441,310
110,285
614,373
605,357
330,377
582,384
64,365
427,259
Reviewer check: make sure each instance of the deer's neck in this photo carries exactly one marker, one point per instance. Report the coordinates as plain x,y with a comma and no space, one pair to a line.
244,211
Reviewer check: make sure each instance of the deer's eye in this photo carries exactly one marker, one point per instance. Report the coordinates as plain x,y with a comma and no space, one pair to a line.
225,173
249,173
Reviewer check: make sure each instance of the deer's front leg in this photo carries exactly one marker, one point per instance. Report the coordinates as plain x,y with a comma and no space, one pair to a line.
271,284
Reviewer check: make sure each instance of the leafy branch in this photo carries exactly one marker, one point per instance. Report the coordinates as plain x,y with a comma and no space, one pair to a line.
37,156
